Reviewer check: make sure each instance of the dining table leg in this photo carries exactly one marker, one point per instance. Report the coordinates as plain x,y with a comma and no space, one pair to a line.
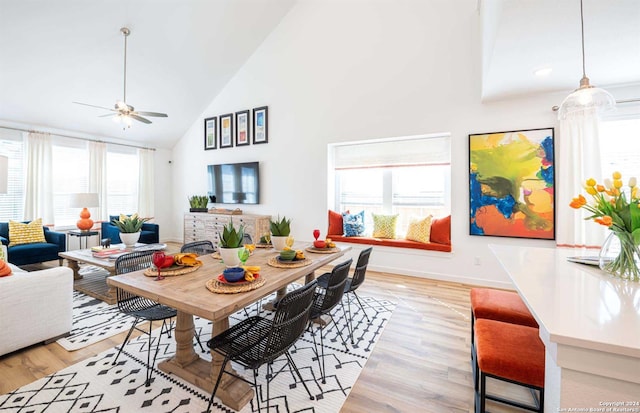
188,365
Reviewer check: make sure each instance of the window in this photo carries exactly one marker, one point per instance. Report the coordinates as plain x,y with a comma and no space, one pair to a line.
70,175
620,147
12,203
407,176
122,180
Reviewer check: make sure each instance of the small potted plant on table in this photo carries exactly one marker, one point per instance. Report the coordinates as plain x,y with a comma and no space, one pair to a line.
280,231
198,203
129,227
231,243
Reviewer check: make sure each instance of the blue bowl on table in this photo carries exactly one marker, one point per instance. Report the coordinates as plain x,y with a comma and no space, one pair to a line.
233,274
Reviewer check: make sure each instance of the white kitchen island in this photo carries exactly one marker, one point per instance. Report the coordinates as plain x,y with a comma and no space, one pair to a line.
589,323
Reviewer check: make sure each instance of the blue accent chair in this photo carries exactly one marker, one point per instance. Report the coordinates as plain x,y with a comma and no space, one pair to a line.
36,252
150,233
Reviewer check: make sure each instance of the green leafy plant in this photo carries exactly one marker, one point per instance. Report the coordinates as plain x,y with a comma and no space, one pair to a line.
281,227
231,238
129,224
198,201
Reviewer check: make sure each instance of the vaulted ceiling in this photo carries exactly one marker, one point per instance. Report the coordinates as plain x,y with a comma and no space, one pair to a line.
181,53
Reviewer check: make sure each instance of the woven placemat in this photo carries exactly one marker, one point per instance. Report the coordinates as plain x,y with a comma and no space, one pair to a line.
216,256
275,262
264,245
322,250
152,272
218,287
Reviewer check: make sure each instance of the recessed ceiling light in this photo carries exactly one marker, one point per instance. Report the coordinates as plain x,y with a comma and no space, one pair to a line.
545,71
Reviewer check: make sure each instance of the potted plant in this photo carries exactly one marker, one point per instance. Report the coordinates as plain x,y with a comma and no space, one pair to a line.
198,203
129,227
230,242
280,231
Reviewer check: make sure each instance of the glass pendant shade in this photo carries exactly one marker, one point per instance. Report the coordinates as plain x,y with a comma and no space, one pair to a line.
586,97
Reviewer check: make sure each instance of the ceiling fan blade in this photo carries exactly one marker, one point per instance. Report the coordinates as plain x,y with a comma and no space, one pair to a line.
94,106
140,118
156,114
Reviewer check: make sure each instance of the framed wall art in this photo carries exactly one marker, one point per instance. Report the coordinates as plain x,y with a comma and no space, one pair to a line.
226,130
512,184
210,133
242,128
260,125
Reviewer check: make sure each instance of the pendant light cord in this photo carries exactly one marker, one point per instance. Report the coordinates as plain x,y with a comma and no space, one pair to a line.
584,72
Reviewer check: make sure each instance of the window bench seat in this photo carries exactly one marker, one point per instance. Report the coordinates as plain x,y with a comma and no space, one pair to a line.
399,243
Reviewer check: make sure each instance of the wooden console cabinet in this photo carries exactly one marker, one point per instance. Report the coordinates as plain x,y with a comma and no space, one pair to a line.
200,226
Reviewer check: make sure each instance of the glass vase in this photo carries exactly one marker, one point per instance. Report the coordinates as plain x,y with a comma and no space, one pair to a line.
620,256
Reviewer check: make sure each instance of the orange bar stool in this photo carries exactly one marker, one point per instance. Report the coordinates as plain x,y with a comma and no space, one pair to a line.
512,353
499,305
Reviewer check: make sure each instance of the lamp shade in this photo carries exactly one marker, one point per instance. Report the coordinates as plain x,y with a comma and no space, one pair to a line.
4,174
84,200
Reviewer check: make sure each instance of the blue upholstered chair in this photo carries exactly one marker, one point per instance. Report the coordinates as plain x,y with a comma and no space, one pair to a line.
150,233
36,252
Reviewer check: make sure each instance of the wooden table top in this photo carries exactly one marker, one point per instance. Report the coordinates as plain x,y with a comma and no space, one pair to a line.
188,292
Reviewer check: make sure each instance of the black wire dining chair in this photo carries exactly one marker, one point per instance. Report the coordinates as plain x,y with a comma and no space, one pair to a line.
351,286
142,308
324,302
199,247
256,341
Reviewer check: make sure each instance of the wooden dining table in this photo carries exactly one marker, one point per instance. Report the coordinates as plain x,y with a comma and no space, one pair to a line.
188,294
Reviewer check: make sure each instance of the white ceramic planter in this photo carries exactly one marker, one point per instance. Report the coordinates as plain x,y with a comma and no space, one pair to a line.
130,239
278,242
230,256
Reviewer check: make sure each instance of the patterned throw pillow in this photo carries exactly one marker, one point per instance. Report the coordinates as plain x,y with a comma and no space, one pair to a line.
20,233
419,229
384,226
353,224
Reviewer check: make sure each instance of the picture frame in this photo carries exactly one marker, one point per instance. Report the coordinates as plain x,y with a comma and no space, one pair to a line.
226,130
260,125
242,128
210,133
512,184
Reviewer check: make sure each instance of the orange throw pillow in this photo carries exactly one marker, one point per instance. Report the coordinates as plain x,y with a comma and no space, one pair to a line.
335,223
4,269
441,230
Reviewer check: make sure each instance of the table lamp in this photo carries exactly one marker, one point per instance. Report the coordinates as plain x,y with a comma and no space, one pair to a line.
84,201
4,174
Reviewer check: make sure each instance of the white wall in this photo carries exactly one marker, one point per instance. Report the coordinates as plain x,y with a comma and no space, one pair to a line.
336,71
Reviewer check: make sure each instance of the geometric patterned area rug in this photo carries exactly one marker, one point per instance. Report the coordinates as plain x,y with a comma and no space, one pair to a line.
95,385
93,321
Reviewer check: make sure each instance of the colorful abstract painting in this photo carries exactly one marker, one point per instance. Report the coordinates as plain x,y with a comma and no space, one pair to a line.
512,184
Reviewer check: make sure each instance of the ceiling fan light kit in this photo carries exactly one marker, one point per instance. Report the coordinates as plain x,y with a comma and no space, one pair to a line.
586,96
123,112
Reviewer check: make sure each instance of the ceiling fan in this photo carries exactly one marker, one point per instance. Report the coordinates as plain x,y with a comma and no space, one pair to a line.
124,112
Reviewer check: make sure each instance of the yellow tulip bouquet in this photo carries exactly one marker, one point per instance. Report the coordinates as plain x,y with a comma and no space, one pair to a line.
617,208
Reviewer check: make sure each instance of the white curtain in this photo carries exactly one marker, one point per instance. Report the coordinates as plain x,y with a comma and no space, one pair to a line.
578,160
98,178
38,181
146,183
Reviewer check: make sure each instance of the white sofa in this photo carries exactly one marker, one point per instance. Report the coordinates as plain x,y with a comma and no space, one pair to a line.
35,306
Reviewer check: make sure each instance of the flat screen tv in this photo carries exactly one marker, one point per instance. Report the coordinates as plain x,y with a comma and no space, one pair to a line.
234,183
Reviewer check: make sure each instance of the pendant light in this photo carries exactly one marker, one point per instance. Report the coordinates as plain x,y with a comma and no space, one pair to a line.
586,96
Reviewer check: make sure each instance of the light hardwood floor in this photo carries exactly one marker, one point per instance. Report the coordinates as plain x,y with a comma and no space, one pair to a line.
420,363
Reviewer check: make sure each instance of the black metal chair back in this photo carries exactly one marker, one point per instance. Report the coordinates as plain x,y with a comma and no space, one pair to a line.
133,261
361,269
199,247
332,295
289,321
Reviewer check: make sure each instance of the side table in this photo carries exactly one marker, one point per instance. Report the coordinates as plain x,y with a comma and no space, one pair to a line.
81,235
